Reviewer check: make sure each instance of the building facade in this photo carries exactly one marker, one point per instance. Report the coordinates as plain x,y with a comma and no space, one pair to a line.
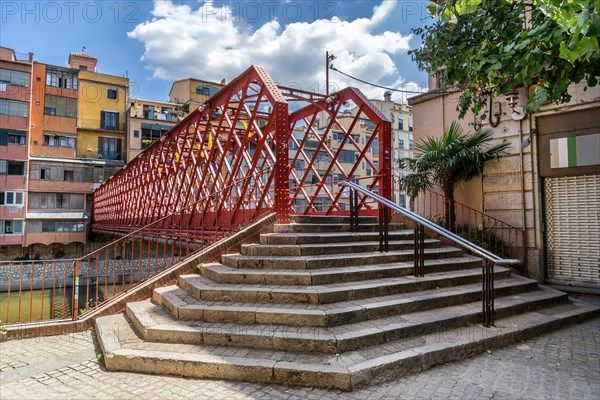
15,81
547,182
57,143
147,121
402,140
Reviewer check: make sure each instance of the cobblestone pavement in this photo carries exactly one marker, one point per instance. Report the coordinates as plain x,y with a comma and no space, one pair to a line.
564,364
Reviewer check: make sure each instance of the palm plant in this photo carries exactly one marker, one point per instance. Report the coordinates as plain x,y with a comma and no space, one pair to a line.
446,161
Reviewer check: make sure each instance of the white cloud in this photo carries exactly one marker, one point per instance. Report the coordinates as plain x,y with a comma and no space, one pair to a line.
214,43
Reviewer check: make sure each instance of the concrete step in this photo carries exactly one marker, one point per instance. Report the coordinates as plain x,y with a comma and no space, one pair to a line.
181,304
205,289
124,350
331,237
223,274
330,227
331,219
261,250
154,323
333,261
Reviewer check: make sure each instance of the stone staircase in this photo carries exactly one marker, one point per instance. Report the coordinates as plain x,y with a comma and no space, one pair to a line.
313,304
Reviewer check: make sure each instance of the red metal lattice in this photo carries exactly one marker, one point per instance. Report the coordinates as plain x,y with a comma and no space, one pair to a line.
245,129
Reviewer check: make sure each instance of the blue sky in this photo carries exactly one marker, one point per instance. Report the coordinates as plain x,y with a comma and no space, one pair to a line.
156,42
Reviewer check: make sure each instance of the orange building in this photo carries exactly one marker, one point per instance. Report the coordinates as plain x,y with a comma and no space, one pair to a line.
15,78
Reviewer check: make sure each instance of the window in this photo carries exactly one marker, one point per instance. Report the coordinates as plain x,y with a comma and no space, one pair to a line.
59,141
148,112
62,226
8,167
299,165
410,144
109,120
45,173
68,176
111,94
11,198
82,68
370,126
61,79
375,146
76,202
152,132
12,227
206,90
12,138
15,78
13,108
410,123
109,148
60,106
166,114
48,226
16,140
401,143
401,124
136,133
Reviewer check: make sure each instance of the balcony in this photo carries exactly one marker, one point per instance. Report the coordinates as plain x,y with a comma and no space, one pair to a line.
110,155
12,92
11,122
55,123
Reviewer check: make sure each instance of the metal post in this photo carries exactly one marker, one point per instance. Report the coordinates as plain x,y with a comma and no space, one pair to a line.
419,250
488,294
383,229
76,290
353,210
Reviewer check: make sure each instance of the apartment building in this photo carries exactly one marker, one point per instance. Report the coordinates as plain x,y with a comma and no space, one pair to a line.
147,121
402,140
15,80
64,129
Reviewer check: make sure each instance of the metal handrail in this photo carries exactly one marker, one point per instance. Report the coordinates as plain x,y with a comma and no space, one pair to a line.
434,227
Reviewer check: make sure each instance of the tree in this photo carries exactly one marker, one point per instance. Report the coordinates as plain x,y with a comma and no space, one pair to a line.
446,161
488,48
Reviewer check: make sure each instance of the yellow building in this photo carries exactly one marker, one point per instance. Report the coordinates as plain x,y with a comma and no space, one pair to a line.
147,121
191,92
101,111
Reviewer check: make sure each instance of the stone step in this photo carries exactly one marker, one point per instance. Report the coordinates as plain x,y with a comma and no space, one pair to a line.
205,289
124,350
331,237
155,324
333,261
330,219
223,274
261,250
181,304
331,227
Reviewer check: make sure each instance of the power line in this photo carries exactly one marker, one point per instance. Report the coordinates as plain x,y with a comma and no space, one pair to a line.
380,86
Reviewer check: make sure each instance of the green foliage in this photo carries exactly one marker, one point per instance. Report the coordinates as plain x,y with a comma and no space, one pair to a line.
448,160
455,157
491,47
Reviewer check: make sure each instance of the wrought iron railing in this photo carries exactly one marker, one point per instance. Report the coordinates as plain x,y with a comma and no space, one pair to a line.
360,196
498,237
69,288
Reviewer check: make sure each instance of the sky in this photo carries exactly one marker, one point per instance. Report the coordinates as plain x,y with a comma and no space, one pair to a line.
156,42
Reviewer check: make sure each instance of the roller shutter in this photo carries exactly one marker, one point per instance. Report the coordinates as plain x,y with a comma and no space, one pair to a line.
572,214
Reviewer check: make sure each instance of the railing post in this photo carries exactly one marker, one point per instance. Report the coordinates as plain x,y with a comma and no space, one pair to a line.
76,291
282,167
419,250
383,229
353,210
488,294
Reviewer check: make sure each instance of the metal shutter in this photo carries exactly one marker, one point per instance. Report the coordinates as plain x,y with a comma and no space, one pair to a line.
573,229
